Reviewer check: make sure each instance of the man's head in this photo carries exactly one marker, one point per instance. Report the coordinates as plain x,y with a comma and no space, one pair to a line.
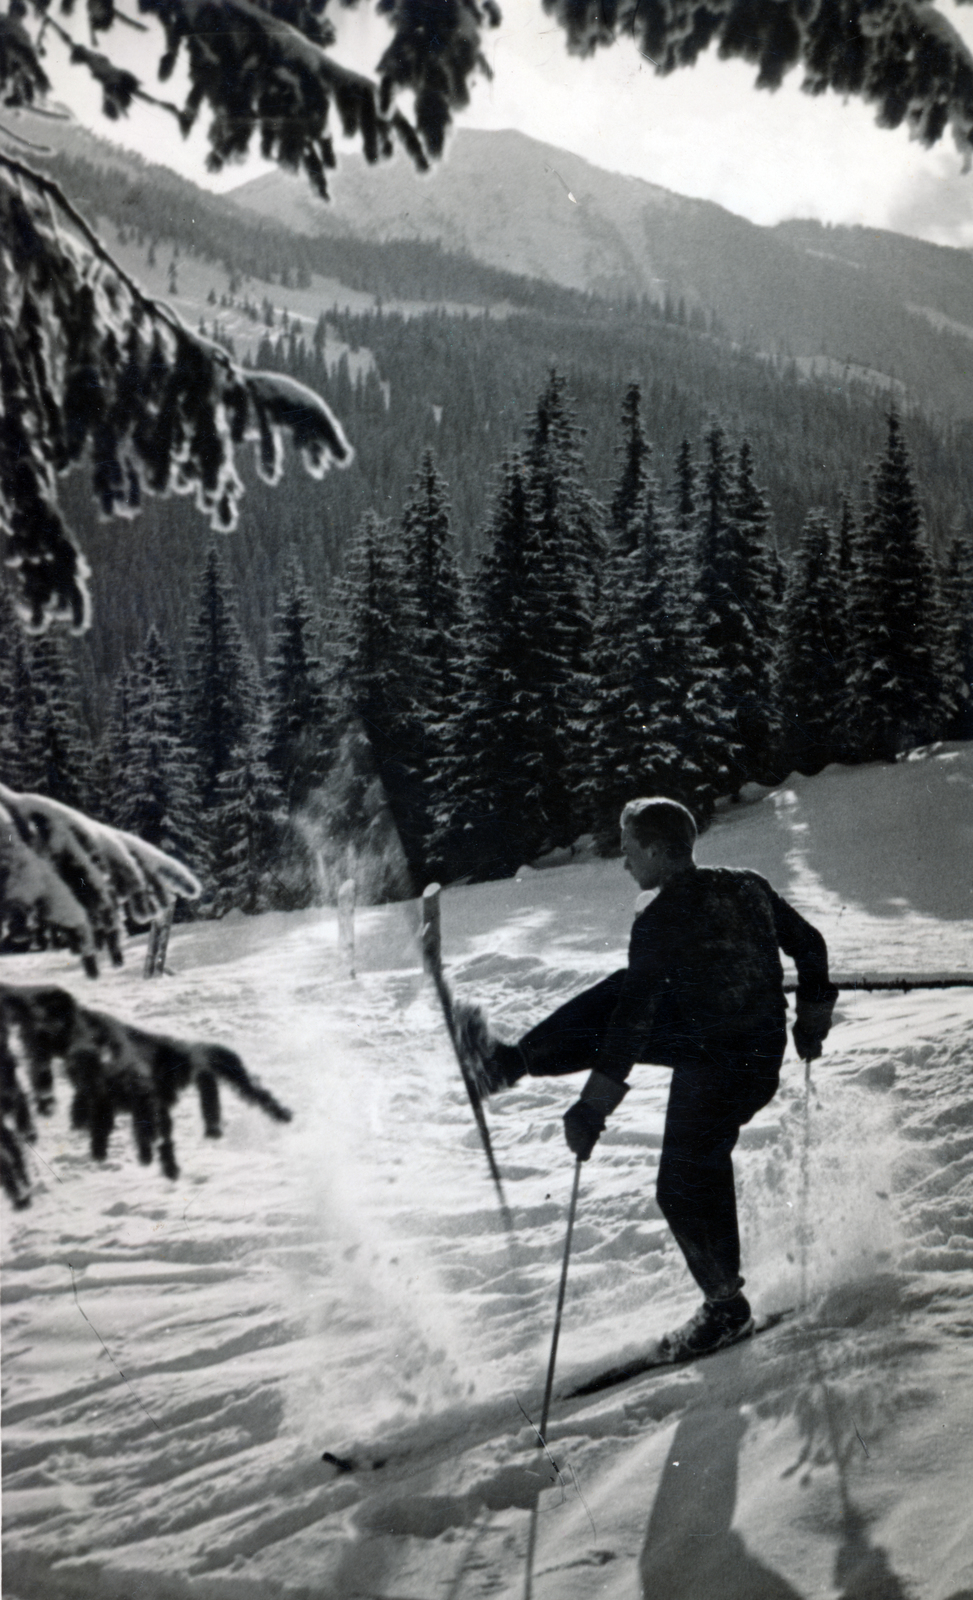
658,836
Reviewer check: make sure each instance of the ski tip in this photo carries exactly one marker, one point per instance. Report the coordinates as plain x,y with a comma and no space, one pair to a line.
343,1464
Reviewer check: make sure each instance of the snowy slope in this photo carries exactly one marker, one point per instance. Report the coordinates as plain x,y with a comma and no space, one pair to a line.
177,1357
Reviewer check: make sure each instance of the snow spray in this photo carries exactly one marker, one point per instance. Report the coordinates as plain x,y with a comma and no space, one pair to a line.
385,1335
814,1174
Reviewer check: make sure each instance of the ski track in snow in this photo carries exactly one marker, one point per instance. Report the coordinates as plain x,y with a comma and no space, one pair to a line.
177,1356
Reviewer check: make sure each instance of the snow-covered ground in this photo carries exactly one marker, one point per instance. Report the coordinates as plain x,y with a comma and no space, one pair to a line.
178,1356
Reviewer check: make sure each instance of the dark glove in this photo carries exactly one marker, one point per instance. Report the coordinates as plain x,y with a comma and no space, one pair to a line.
811,1026
584,1122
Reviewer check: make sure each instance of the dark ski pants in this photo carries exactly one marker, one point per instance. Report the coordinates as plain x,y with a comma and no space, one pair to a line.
710,1098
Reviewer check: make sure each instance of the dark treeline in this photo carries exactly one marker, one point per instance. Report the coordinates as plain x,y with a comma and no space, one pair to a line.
655,639
460,386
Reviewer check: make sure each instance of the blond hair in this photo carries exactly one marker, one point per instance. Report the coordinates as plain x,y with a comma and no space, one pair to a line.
655,820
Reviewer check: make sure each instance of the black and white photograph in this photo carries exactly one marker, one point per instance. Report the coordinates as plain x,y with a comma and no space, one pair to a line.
486,799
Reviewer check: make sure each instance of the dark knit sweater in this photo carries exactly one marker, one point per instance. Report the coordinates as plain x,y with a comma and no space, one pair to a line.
704,978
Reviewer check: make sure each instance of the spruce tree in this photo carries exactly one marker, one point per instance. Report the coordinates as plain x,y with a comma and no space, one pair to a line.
957,597
494,780
685,489
60,737
691,747
297,736
155,792
437,647
252,868
658,723
811,668
758,722
571,521
21,763
220,682
432,574
114,750
845,543
635,453
374,681
727,585
614,712
660,715
684,498
897,693
846,559
778,578
570,558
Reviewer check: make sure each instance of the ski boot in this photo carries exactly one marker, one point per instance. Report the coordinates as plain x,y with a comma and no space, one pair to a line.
489,1063
715,1325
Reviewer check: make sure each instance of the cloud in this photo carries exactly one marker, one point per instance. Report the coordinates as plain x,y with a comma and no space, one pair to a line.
936,205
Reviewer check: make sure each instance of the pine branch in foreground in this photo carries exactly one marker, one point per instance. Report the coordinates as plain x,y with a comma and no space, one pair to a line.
113,1069
901,56
66,878
88,363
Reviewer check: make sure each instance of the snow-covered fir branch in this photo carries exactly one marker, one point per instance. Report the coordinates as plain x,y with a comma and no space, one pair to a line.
91,363
67,877
113,1069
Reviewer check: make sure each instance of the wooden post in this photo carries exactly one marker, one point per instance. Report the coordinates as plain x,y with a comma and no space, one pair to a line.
155,954
346,924
432,942
165,928
148,971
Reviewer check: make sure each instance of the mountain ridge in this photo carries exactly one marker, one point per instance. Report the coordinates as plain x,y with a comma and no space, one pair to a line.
856,296
847,304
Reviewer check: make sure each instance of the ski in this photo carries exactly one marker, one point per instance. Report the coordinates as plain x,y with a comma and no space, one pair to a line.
433,962
653,1362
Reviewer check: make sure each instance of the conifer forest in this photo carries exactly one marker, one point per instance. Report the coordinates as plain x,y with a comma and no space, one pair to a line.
427,706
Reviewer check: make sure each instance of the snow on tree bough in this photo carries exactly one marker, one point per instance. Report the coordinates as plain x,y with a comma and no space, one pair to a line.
65,877
113,1069
89,361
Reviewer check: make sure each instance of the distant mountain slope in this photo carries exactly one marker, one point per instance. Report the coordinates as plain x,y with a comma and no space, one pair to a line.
153,205
877,301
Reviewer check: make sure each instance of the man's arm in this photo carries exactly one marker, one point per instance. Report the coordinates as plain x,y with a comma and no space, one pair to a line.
816,994
806,948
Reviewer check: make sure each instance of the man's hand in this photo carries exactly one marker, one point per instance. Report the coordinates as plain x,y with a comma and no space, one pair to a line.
811,1027
583,1127
584,1122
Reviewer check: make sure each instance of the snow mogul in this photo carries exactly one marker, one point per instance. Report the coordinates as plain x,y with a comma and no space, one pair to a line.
703,993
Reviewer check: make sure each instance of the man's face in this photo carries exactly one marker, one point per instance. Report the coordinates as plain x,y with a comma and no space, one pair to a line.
644,861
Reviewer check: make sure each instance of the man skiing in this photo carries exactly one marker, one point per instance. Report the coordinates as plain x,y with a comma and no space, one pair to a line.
703,994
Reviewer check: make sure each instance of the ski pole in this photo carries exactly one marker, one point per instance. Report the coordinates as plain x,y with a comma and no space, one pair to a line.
549,1386
805,1179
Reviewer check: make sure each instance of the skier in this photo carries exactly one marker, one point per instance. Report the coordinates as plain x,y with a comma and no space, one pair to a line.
703,994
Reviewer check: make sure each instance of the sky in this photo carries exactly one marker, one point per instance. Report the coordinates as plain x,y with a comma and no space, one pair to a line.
703,131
